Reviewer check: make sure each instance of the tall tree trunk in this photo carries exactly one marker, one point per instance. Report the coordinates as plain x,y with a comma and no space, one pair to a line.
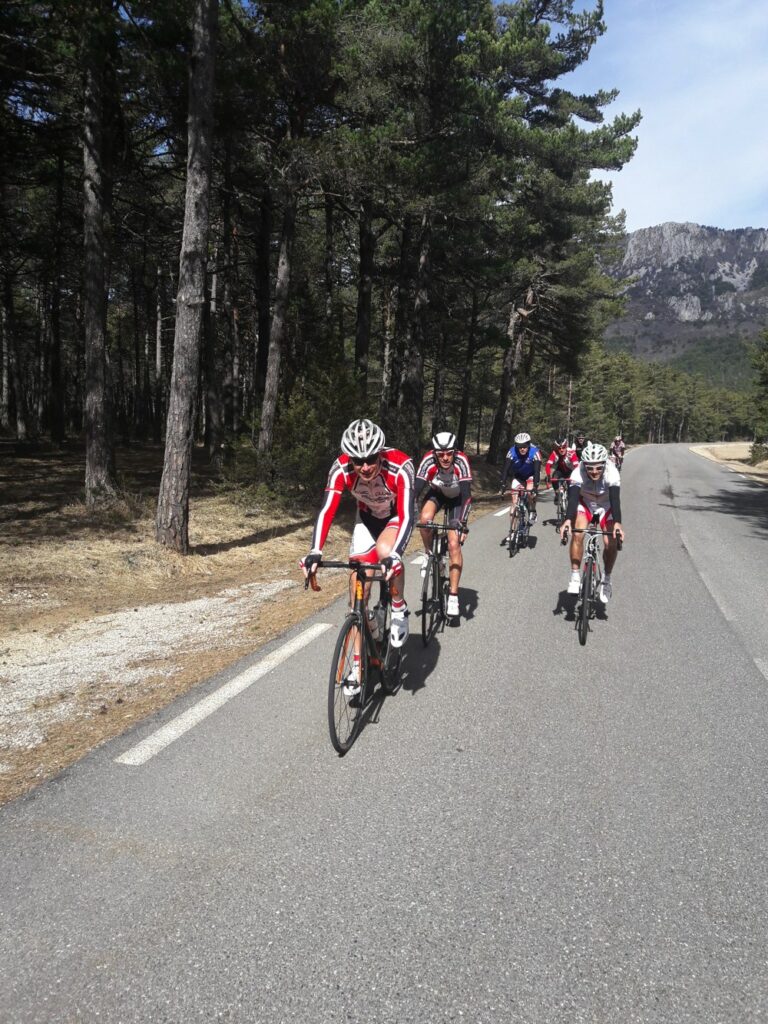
364,289
278,330
509,371
100,480
159,391
172,521
411,397
438,394
263,291
396,335
14,361
5,372
466,379
57,383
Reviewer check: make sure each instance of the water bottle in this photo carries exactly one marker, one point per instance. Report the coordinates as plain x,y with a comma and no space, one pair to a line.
374,622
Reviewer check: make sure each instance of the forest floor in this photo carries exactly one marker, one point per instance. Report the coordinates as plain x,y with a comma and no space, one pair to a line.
100,626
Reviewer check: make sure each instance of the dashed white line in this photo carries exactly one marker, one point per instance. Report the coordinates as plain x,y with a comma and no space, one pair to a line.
159,740
503,511
762,664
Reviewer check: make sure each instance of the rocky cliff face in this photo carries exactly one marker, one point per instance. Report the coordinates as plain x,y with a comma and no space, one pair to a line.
695,297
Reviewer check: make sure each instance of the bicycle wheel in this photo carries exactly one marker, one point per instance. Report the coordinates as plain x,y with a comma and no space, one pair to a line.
345,713
586,603
390,660
430,601
562,506
513,540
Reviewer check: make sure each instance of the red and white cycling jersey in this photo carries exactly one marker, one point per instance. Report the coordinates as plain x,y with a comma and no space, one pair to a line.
389,495
561,464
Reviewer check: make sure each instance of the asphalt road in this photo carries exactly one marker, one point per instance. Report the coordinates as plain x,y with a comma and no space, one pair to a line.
532,831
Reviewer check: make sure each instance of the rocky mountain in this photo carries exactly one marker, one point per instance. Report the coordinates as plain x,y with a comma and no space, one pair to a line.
696,296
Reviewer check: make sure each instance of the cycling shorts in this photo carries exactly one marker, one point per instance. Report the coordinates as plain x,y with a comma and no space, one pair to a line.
367,531
440,501
522,485
604,516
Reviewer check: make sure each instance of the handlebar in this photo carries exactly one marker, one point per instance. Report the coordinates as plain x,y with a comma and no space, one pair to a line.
361,569
594,533
442,527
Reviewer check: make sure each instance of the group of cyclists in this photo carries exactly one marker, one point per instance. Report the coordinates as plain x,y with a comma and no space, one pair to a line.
388,490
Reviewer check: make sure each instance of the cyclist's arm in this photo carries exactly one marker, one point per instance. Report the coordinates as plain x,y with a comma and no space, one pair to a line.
465,492
614,496
536,472
574,490
405,507
333,491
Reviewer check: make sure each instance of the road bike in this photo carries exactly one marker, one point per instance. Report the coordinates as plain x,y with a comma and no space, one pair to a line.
435,584
365,632
591,578
519,523
561,500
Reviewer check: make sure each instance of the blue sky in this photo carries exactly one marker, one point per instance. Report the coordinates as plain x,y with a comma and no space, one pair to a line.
698,71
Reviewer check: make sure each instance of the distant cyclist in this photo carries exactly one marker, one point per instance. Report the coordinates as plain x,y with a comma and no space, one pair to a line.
523,467
445,474
381,480
561,463
593,494
579,443
617,450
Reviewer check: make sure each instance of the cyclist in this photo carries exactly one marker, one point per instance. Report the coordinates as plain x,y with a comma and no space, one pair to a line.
560,464
593,493
617,450
381,480
523,465
579,443
446,475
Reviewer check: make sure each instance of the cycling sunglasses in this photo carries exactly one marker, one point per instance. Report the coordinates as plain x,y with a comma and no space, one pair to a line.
371,460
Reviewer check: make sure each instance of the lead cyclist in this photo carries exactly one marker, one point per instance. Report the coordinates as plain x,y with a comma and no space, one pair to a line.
593,494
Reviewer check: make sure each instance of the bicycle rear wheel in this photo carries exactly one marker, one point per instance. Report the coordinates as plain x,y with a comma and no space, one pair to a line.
586,604
430,600
345,713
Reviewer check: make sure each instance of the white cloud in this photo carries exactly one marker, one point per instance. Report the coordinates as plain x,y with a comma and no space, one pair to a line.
698,73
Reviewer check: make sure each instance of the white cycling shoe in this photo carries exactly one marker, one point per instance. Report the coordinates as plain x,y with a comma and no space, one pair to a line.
452,609
398,628
574,583
606,590
351,686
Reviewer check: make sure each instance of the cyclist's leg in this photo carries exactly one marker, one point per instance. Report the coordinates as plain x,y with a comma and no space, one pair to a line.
362,548
515,487
577,539
610,549
399,621
531,495
428,511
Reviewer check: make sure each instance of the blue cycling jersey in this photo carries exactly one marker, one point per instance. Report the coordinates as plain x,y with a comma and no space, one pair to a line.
522,466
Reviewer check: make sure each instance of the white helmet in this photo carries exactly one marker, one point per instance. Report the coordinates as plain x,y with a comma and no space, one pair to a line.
362,439
594,454
523,438
445,441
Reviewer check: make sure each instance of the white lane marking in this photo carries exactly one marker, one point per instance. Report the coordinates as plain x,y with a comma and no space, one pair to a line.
416,560
159,740
503,511
762,664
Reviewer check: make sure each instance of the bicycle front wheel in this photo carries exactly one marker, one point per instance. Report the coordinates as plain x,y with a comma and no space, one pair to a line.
390,660
513,541
345,710
430,600
586,604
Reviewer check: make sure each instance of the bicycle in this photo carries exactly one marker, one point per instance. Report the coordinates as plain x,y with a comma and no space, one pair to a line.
591,578
561,500
435,584
519,523
366,632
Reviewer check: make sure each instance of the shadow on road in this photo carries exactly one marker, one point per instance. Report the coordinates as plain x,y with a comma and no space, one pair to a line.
749,505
